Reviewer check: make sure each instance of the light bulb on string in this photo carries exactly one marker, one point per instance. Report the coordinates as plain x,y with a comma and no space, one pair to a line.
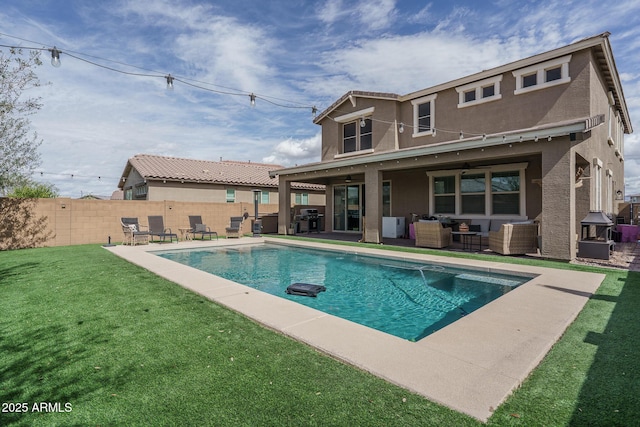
55,57
170,79
362,123
252,99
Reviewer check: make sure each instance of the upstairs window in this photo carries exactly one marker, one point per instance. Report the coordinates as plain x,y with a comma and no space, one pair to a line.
543,75
424,115
231,195
357,135
479,92
357,131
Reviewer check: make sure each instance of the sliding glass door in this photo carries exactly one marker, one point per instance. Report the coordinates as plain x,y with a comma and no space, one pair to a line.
348,202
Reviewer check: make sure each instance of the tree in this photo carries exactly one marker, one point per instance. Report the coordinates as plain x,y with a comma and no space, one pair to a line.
34,190
20,227
18,145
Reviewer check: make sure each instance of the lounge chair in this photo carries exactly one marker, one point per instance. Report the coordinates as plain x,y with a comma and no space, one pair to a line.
133,231
156,228
514,239
431,234
197,227
235,226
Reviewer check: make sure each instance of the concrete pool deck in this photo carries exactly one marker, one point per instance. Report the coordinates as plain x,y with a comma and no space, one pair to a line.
471,366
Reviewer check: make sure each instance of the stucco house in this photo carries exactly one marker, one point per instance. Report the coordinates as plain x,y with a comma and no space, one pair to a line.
151,177
541,138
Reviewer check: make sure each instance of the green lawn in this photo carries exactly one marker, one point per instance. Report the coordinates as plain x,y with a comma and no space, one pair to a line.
121,346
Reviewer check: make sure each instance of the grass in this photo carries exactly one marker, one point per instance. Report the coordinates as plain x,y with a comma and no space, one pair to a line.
124,347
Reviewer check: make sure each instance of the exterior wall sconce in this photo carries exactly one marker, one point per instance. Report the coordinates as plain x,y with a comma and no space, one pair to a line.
619,195
348,178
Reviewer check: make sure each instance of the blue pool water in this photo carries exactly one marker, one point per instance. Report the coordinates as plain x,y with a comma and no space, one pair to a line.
407,299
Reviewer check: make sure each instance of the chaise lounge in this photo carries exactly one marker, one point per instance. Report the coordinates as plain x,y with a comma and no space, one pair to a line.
156,228
197,227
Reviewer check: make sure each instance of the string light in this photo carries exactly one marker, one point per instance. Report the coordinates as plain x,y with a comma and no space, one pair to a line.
55,57
55,61
401,128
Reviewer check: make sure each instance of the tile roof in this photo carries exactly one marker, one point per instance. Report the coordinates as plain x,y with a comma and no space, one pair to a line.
152,167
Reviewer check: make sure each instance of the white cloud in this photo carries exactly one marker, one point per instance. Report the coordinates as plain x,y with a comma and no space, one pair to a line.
296,151
376,14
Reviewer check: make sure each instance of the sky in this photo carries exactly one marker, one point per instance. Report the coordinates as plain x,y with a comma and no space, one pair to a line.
292,54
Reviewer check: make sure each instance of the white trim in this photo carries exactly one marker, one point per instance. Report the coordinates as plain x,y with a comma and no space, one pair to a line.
539,70
353,153
355,115
478,87
416,103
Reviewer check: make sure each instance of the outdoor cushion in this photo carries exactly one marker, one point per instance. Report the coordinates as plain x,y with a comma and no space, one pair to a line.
200,227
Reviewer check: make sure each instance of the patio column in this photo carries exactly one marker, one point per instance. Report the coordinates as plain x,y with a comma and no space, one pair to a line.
373,205
558,217
284,204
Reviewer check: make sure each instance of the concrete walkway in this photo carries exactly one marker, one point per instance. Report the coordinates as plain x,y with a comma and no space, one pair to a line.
471,366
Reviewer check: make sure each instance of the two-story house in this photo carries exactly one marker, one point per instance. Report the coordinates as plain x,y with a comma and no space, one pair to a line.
541,138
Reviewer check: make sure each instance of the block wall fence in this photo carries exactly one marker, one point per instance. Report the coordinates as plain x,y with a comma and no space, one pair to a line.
79,221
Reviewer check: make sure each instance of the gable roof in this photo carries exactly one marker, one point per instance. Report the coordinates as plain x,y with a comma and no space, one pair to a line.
602,52
152,167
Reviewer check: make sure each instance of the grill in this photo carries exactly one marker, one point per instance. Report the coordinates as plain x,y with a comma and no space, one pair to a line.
309,220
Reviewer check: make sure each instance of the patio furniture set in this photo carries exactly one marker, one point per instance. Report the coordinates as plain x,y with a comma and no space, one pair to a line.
517,238
136,233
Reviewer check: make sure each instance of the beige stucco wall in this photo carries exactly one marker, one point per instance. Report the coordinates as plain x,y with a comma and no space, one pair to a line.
552,104
77,221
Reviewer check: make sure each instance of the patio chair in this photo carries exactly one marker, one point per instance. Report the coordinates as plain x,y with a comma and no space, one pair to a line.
514,239
197,227
431,234
235,226
156,228
134,233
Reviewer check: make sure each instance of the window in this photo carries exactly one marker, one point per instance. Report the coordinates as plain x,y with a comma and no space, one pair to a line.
444,190
479,192
472,194
424,115
488,91
264,197
479,92
355,137
543,75
128,194
302,199
470,96
530,80
141,191
553,74
386,198
609,191
505,193
597,169
231,195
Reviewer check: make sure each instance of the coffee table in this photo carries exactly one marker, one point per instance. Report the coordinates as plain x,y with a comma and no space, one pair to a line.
467,239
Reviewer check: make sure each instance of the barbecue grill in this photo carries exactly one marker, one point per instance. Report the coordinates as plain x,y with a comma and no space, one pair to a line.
309,220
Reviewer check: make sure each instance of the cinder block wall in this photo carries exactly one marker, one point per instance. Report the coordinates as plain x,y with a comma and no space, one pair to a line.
77,221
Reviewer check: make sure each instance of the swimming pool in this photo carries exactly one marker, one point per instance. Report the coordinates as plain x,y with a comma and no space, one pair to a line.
404,298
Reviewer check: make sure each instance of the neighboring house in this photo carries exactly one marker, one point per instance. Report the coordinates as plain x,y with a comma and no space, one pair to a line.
541,138
149,177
